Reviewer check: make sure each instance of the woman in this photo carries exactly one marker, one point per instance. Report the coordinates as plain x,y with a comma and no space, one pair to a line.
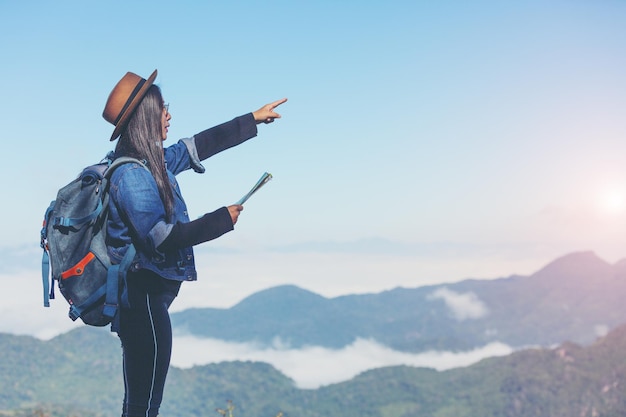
147,209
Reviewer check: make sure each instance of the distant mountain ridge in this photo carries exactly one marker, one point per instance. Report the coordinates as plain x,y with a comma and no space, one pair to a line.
576,297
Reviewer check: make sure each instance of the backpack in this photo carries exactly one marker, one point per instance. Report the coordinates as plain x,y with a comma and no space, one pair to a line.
74,248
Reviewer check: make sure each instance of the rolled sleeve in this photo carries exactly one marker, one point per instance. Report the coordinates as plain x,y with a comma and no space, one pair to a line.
157,235
194,159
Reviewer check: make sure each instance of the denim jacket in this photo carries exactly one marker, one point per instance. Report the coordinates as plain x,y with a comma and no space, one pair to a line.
136,212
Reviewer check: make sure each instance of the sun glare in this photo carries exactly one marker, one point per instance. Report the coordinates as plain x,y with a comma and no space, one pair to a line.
613,200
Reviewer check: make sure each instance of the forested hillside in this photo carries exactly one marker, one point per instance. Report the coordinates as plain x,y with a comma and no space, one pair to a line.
78,374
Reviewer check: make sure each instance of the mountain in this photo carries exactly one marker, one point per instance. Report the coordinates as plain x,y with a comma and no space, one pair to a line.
576,297
78,374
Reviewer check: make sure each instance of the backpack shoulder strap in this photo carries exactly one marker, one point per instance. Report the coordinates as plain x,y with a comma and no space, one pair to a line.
116,275
121,161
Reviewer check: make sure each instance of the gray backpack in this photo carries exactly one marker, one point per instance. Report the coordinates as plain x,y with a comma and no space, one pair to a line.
74,249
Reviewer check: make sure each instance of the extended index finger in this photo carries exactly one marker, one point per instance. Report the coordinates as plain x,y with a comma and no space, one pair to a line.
277,103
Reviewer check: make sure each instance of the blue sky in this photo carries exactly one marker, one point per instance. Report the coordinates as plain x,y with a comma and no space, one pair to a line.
422,141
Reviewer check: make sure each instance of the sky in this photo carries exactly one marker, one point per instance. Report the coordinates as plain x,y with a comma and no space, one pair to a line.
422,142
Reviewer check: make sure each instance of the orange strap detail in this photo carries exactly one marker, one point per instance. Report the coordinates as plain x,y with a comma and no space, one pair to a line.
79,268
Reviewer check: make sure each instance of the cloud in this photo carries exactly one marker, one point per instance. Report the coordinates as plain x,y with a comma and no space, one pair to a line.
21,306
601,330
463,306
316,366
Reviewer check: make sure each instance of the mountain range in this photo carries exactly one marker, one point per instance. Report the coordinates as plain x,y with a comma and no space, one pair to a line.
577,297
561,368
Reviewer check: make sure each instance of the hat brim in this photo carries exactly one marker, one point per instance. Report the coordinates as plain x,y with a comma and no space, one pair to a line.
121,124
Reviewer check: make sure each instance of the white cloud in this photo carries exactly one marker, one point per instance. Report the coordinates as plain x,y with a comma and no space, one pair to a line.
601,330
462,305
21,306
312,367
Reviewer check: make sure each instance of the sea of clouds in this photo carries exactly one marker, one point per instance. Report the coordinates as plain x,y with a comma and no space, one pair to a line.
315,366
309,367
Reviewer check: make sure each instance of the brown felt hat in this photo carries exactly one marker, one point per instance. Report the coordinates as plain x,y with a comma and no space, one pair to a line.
124,99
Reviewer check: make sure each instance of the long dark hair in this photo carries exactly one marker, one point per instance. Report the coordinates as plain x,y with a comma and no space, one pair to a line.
142,139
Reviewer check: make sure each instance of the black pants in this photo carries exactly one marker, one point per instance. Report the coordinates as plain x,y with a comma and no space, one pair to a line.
146,335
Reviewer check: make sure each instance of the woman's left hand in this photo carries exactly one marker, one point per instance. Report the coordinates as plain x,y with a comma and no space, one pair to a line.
266,114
